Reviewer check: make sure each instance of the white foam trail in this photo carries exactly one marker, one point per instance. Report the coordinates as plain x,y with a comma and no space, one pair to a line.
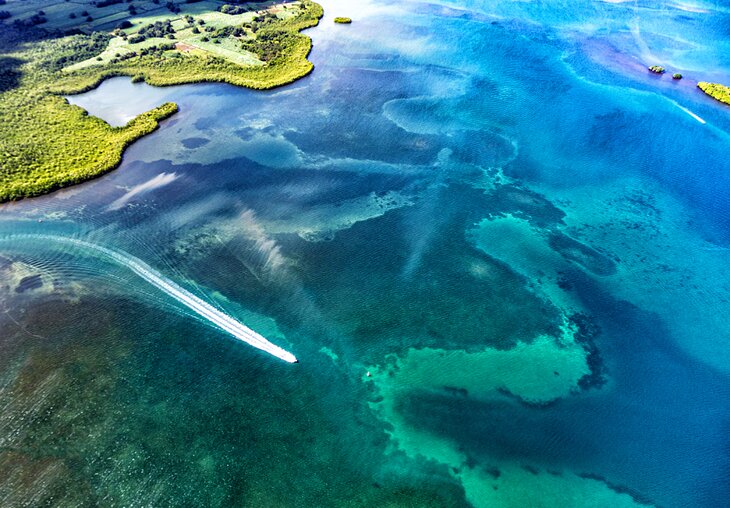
155,183
699,119
200,307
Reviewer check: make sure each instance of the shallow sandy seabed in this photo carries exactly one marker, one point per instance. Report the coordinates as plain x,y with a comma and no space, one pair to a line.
537,373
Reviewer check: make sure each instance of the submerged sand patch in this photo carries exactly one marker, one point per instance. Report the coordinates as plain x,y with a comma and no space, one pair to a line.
540,372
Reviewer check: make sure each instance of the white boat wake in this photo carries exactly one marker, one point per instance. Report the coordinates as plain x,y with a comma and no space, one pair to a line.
690,113
197,305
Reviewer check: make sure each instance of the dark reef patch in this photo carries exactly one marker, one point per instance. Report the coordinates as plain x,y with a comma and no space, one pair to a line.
620,489
515,430
191,143
581,254
28,283
456,391
587,332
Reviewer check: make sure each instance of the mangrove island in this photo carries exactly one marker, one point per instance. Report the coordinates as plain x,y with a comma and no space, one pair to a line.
46,143
716,91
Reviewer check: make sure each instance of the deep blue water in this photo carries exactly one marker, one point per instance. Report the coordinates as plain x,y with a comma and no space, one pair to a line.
460,176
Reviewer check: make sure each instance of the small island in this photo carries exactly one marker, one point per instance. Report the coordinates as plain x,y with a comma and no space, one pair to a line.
46,143
676,75
343,20
657,69
716,91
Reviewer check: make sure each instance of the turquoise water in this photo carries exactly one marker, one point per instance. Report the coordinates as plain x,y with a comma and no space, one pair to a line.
490,207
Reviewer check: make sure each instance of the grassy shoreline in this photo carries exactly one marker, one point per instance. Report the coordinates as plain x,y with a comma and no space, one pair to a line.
47,144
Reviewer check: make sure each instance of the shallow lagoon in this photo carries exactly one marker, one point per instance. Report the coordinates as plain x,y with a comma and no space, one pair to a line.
118,100
477,205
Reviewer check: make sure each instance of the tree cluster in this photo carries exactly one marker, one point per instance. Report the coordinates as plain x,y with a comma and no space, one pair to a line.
157,29
232,9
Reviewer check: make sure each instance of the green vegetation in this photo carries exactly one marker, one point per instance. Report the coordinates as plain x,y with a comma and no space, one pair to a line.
657,69
46,143
233,9
344,21
716,91
60,145
676,75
